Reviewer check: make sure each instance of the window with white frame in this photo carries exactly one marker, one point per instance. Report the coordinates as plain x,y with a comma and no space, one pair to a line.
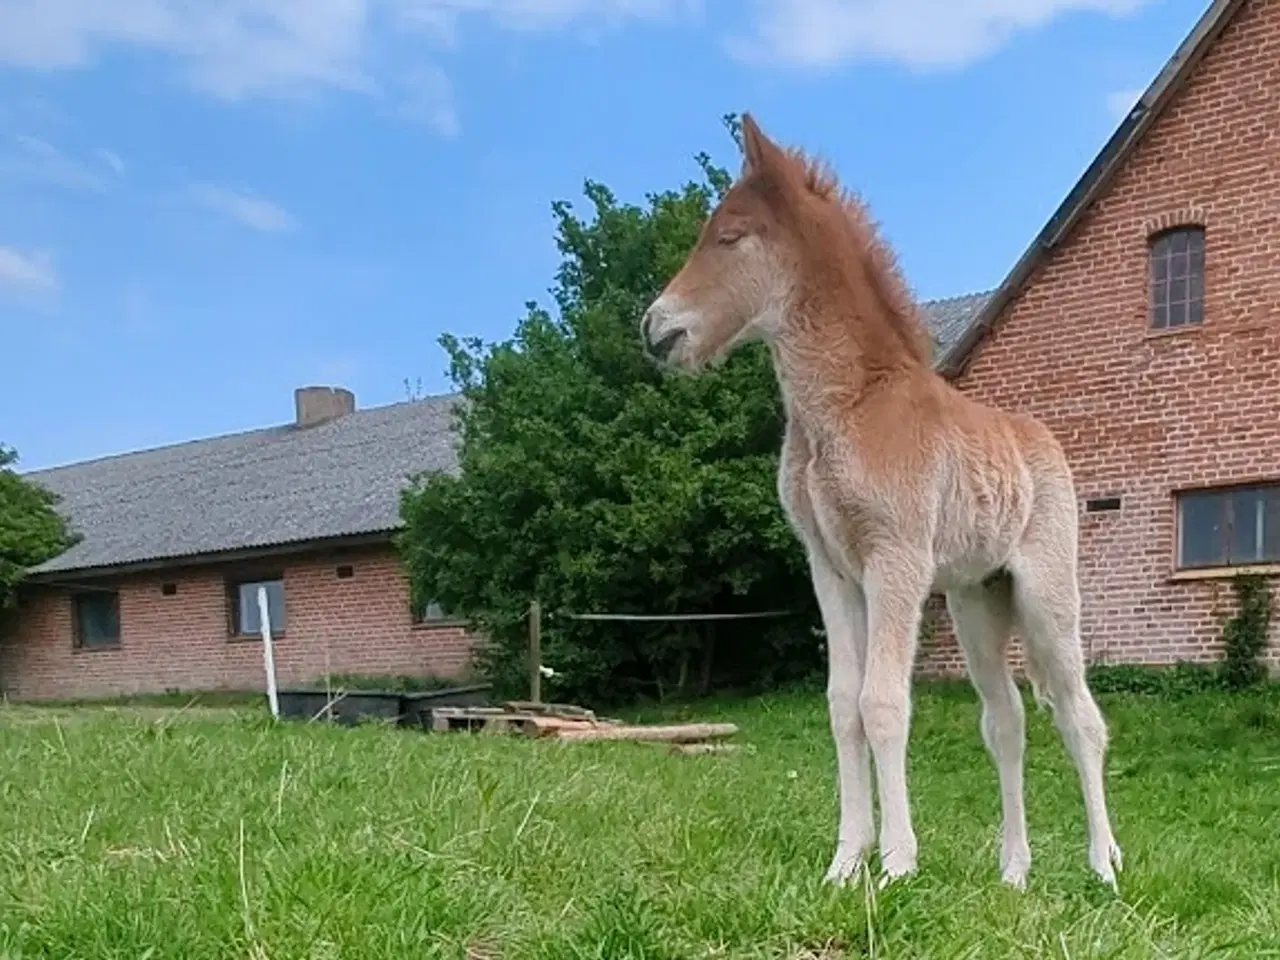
244,617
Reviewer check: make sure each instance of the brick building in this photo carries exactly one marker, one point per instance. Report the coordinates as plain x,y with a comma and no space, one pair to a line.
1143,326
160,593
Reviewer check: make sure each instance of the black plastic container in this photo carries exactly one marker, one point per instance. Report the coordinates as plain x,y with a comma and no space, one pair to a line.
386,706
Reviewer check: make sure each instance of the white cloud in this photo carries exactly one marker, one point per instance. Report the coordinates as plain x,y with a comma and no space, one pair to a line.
239,48
921,34
428,98
236,49
111,159
1120,102
31,271
244,207
34,160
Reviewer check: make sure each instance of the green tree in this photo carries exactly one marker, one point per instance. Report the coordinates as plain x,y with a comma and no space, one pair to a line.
593,483
31,530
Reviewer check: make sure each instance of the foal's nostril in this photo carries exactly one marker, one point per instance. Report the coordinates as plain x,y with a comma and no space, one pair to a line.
662,349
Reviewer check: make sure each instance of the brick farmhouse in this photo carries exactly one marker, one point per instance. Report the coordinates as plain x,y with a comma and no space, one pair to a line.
1142,325
160,593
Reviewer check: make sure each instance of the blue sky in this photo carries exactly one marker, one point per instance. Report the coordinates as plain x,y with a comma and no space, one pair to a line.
204,205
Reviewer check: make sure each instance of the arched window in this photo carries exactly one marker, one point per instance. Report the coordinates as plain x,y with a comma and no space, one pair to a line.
1177,278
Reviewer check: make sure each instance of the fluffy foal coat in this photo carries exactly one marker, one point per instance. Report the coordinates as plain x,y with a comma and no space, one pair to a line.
899,486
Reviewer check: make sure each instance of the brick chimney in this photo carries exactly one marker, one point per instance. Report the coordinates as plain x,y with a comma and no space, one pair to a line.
316,405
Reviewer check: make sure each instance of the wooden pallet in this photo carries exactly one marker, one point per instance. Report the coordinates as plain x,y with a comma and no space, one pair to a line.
545,721
568,724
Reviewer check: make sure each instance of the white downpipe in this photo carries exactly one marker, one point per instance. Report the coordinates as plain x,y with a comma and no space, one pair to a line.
268,651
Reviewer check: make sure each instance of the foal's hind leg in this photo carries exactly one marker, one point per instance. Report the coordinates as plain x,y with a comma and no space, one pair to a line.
1047,608
983,619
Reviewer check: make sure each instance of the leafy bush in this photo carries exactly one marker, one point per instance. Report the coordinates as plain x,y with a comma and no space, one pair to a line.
1241,668
593,483
1180,680
31,530
1245,635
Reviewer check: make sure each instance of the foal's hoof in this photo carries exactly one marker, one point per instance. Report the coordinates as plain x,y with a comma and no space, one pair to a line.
1015,864
1107,864
844,867
898,865
1015,875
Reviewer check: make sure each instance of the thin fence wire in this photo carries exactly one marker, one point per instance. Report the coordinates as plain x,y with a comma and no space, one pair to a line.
673,617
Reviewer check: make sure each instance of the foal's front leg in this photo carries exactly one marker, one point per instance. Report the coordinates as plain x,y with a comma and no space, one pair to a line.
895,589
844,618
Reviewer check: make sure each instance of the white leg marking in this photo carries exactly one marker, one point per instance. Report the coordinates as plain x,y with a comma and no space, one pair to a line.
895,591
983,619
844,619
1047,601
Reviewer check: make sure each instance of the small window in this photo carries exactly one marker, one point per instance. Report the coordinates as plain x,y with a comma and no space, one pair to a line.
346,571
429,612
1102,504
96,616
1177,278
169,589
1229,528
242,597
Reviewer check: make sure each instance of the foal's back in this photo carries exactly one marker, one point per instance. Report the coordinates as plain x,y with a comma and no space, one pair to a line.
980,473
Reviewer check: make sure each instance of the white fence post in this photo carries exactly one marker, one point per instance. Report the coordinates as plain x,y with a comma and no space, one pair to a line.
268,651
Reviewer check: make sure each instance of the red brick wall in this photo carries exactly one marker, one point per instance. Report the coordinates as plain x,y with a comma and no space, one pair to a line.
180,642
1143,415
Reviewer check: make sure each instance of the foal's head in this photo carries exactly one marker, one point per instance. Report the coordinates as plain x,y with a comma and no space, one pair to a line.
782,229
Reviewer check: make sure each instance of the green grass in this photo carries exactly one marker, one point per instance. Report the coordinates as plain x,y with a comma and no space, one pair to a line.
211,833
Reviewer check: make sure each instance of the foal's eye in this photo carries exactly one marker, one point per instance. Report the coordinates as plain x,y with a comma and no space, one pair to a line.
728,238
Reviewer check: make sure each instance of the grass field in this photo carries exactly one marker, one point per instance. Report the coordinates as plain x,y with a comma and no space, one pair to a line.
211,834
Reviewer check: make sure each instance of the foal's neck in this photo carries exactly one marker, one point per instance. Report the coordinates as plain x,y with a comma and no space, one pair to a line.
830,355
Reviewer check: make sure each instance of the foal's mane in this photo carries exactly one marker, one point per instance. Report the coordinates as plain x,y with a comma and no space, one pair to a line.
880,264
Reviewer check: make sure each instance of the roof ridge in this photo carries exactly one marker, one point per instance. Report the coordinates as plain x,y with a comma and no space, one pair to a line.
283,427
955,298
1127,134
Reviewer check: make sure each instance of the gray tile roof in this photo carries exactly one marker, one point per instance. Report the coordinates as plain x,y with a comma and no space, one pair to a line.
948,319
264,488
282,485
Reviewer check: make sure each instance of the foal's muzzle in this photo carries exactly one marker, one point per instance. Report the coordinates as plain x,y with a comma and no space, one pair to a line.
657,342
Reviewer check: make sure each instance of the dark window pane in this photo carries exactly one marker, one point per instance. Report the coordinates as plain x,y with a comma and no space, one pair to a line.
1195,288
1160,294
1159,316
1178,265
250,622
1178,242
1245,521
1195,312
1159,268
1203,530
1271,527
1197,261
1178,291
1195,240
98,619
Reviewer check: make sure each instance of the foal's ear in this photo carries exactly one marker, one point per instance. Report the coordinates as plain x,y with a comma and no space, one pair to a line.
759,152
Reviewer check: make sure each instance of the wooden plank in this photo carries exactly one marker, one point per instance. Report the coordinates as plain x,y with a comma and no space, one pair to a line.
698,749
567,711
545,727
681,733
535,651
